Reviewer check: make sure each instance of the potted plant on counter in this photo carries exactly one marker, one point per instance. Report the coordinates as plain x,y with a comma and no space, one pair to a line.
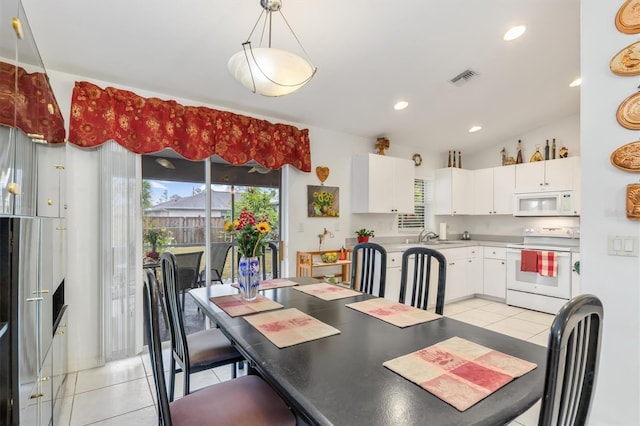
364,234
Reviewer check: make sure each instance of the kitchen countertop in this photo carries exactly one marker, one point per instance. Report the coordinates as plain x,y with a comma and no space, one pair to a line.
395,247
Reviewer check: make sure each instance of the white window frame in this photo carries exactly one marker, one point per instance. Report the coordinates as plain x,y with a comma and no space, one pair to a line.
423,208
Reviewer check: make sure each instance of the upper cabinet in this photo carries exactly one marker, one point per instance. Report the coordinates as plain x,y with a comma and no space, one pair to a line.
493,190
453,191
552,175
26,98
381,184
51,199
29,116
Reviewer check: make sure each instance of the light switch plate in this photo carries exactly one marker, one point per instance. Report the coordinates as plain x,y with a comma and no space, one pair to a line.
623,245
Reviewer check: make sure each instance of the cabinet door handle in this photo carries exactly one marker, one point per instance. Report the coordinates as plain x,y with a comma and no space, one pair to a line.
34,299
59,332
36,395
45,291
452,263
502,263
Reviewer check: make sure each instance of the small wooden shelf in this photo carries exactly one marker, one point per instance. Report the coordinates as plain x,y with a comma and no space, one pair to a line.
307,263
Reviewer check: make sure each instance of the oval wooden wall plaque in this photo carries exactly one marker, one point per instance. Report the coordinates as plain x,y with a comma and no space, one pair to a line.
627,157
633,201
627,61
628,114
628,17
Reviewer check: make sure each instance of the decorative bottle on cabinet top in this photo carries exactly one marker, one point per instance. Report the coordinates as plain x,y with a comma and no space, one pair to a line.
546,150
519,158
449,162
553,149
460,159
454,159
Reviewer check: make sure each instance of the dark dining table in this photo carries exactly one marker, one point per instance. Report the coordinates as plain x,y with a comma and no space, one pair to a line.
340,379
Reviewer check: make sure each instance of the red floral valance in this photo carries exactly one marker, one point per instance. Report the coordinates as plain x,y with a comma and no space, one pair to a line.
27,102
146,125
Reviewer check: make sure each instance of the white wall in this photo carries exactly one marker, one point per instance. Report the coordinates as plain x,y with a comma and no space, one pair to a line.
566,131
614,279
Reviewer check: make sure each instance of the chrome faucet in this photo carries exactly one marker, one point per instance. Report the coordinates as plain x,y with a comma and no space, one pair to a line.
427,235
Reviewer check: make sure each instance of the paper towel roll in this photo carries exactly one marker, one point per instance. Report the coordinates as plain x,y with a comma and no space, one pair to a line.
443,231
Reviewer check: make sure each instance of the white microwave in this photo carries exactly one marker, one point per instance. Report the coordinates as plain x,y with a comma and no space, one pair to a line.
561,203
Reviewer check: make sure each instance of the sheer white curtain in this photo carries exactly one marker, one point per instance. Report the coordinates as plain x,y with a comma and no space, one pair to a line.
120,240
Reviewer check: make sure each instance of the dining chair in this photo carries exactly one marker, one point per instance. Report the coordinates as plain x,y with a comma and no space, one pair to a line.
247,400
197,351
417,273
188,271
275,260
573,352
369,268
219,254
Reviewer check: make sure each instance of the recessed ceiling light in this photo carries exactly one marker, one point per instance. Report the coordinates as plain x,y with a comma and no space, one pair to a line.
400,105
474,129
514,32
576,82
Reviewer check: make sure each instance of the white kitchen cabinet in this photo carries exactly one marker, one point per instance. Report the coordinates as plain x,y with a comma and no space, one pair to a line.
394,275
551,175
452,195
462,263
495,272
475,269
493,190
381,184
51,199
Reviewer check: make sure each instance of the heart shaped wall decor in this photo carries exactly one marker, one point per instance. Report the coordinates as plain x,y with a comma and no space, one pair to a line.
322,173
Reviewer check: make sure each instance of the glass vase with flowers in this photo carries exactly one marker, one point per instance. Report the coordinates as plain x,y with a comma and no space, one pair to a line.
250,235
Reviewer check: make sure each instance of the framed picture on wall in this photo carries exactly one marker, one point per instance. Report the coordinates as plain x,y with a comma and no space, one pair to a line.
323,201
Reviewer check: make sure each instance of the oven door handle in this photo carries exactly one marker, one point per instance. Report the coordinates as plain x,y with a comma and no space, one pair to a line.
558,253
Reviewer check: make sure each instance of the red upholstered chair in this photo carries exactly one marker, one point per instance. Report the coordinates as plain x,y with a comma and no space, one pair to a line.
197,351
245,401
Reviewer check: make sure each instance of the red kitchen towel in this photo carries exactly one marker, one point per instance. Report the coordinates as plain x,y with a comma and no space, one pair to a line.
528,261
547,263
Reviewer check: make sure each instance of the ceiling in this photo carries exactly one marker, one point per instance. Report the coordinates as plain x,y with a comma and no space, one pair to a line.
369,54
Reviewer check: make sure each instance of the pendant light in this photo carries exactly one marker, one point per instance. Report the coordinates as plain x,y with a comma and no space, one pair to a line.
268,71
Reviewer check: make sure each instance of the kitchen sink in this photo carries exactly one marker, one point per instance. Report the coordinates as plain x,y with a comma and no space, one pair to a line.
429,243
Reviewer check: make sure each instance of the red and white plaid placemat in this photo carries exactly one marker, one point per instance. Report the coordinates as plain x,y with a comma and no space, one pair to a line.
395,313
289,327
234,305
327,291
458,371
547,263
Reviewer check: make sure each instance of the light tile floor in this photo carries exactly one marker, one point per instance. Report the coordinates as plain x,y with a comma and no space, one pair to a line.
121,392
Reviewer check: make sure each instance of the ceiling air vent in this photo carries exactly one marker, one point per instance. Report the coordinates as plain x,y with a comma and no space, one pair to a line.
463,77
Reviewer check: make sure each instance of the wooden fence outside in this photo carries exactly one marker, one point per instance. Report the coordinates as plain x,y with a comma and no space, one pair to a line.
190,230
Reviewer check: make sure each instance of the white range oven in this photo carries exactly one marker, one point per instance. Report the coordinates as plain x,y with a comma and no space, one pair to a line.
531,290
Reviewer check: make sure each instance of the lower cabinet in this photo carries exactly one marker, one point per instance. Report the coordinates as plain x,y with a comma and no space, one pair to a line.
495,272
464,267
59,367
394,275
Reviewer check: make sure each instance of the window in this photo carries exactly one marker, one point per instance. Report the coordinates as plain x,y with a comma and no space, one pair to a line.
422,216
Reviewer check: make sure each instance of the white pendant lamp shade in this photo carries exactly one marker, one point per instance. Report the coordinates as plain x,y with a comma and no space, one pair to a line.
270,72
266,70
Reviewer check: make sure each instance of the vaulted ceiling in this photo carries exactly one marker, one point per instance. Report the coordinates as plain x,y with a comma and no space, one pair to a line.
369,54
